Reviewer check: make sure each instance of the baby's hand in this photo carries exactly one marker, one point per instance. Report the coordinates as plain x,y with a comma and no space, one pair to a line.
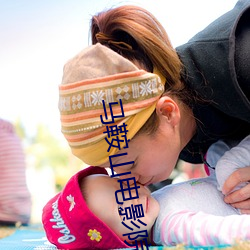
240,198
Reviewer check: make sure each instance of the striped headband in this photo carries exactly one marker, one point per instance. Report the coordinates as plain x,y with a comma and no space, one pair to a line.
99,74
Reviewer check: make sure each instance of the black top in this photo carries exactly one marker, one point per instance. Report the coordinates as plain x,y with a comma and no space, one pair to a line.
217,67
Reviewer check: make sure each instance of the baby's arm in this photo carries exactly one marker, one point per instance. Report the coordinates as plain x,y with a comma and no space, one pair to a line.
201,229
237,157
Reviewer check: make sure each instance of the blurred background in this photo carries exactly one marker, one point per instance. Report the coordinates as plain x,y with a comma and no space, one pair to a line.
36,39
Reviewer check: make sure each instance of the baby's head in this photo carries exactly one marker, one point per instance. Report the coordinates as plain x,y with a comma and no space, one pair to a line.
86,214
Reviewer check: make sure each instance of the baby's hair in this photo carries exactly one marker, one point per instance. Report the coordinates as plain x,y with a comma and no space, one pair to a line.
82,184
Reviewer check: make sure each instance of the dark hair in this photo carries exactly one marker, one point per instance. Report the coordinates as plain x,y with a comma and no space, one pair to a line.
136,34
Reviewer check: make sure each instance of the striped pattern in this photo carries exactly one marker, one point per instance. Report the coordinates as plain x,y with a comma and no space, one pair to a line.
201,229
80,103
15,201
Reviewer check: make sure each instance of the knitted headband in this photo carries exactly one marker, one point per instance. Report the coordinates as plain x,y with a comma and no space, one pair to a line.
97,73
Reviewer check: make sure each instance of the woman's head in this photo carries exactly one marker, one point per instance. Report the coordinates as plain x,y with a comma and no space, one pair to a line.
132,36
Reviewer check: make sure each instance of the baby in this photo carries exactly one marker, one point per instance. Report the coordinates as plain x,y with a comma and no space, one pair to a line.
91,210
85,214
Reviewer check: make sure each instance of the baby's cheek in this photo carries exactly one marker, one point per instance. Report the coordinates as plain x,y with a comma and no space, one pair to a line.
130,235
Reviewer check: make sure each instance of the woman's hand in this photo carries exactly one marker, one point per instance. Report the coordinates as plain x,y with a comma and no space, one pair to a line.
240,198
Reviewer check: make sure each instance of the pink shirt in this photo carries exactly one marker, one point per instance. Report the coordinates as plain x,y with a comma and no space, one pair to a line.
15,200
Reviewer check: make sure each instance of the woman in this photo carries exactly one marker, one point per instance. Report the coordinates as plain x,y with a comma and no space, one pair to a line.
203,101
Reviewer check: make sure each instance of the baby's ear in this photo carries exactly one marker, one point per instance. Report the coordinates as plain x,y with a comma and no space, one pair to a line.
168,109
